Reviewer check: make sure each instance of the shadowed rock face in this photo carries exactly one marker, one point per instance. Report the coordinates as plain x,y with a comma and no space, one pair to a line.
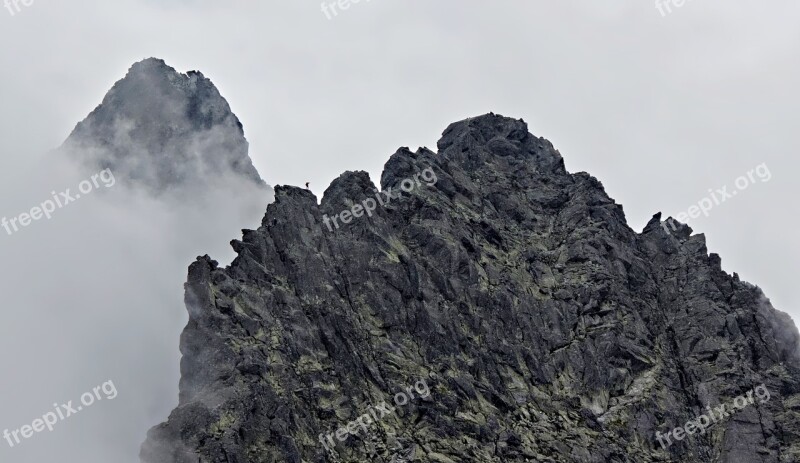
164,130
545,328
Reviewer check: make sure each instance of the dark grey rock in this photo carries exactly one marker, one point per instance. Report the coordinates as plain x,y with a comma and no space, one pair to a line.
547,329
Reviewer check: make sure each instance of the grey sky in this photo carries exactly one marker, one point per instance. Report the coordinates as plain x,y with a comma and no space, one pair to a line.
659,108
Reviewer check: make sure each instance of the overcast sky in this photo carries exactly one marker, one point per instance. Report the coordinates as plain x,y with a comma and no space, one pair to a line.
660,108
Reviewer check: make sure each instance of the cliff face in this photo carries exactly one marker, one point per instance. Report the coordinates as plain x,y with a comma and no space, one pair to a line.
164,130
542,327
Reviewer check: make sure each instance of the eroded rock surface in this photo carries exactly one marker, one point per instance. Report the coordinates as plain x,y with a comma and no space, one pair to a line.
546,329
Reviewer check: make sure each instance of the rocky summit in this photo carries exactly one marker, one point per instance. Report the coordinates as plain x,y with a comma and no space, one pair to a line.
485,305
165,131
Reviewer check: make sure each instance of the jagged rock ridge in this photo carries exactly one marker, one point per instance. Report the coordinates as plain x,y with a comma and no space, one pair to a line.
547,329
165,130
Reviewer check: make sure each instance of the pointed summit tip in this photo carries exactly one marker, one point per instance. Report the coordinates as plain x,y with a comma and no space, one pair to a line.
150,64
152,61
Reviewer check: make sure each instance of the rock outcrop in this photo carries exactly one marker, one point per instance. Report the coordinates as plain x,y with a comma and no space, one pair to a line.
165,131
544,328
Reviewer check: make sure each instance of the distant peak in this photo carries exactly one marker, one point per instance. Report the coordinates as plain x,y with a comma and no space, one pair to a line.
163,129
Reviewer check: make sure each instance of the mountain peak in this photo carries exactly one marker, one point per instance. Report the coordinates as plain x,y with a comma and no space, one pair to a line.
163,129
511,295
492,135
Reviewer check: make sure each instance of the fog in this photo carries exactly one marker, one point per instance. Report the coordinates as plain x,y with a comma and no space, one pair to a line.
94,294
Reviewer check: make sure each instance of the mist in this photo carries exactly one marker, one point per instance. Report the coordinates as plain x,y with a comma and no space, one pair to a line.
96,294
